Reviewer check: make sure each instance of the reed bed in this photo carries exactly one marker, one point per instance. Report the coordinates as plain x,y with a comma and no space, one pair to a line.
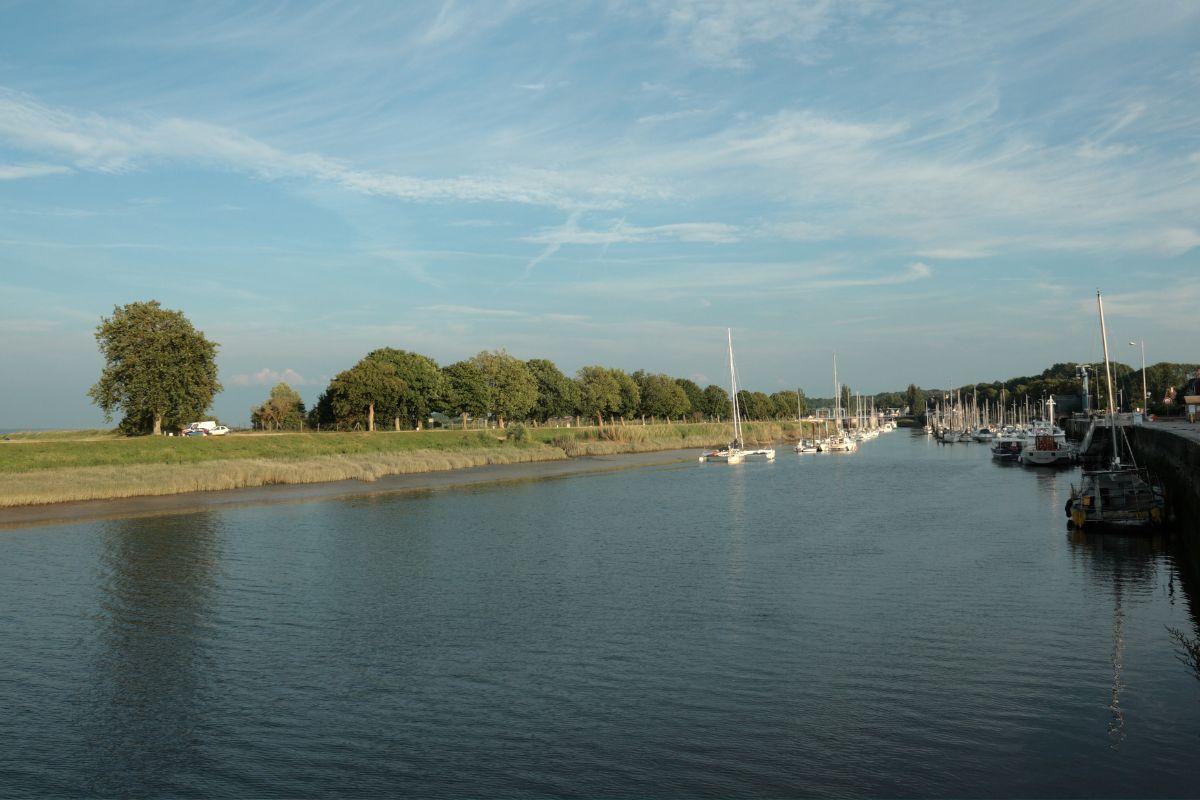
84,450
610,439
93,465
111,482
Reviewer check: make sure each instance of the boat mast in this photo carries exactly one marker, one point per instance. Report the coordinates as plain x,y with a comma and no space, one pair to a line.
1112,411
837,400
737,417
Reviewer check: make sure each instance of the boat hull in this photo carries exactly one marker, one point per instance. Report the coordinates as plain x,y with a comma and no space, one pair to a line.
1116,499
1047,458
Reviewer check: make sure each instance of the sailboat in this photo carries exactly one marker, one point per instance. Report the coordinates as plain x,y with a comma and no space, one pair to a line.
735,452
805,445
1120,496
840,442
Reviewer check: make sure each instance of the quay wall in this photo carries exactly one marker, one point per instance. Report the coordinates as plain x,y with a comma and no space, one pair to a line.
1175,459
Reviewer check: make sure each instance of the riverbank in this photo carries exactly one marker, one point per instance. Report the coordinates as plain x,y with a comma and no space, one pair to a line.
37,471
183,503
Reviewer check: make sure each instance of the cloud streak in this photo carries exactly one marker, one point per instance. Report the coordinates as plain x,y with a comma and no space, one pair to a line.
93,143
270,377
14,172
619,232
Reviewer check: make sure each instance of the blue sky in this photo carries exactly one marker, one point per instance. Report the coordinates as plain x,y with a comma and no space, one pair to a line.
933,190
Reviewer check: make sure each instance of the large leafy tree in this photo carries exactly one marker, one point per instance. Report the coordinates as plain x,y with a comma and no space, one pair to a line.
466,391
662,396
361,390
694,394
425,381
599,392
558,395
755,405
914,398
158,368
788,404
512,391
322,413
631,395
716,403
283,409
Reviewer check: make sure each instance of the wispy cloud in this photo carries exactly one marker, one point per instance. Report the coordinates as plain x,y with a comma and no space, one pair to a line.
620,232
721,34
270,377
94,143
955,253
472,311
503,313
801,231
1167,241
668,116
23,326
12,172
916,271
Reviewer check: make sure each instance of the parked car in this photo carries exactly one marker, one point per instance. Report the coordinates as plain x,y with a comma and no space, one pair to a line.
195,432
220,430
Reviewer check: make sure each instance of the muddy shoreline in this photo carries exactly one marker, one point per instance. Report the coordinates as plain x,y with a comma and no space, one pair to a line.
89,510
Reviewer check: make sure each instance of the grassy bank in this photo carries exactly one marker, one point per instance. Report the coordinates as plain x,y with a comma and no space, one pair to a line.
641,438
56,467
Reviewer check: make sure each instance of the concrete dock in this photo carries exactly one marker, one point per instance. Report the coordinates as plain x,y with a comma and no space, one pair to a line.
1170,448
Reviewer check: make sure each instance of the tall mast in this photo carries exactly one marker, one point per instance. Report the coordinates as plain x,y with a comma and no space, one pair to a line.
1112,411
737,417
837,398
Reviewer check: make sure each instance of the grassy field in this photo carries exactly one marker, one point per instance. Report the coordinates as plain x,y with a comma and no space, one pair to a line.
61,466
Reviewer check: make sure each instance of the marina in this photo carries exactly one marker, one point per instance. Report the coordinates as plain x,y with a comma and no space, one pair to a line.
910,620
368,432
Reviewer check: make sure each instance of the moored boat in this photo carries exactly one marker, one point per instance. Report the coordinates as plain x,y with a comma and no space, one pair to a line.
735,452
1116,497
1120,496
1046,444
1008,444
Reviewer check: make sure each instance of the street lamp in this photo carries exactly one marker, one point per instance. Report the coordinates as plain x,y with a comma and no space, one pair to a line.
1145,394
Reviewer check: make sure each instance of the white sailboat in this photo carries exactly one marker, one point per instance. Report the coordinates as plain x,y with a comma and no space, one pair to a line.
735,452
840,442
804,445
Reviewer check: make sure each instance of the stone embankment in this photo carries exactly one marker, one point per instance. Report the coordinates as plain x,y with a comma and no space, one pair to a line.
1170,448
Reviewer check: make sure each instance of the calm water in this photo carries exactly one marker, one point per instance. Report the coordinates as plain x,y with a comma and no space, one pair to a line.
910,620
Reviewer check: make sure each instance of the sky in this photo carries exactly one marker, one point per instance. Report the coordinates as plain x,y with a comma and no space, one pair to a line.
933,190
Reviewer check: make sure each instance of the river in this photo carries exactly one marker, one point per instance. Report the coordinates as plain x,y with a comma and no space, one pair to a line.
908,620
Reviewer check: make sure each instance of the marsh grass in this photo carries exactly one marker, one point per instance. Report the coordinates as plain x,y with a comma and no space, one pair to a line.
112,481
91,465
87,451
610,439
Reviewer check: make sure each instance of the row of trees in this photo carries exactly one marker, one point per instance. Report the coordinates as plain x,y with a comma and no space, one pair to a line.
1065,379
403,389
161,372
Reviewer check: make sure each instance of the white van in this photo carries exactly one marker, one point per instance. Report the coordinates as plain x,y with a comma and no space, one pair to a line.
207,426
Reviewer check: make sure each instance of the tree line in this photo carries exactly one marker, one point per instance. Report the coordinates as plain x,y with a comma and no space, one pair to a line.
1164,382
400,389
160,373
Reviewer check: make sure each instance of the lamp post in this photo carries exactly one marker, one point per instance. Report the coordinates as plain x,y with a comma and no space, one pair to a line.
1145,394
